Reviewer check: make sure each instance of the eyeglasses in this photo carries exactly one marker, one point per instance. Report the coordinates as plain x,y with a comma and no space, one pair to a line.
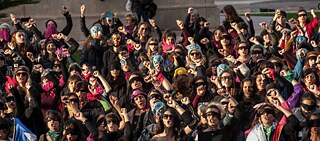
166,116
226,77
195,54
23,74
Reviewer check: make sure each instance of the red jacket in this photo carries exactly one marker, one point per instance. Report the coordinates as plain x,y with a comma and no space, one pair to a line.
309,27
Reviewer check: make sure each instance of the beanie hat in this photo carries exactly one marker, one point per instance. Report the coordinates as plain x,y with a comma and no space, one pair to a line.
180,71
221,68
136,93
192,47
272,86
5,24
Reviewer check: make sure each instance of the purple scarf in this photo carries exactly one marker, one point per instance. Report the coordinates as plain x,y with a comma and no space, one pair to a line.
49,31
5,35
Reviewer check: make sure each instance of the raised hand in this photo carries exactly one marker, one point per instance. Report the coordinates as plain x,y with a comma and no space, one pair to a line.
185,101
190,10
64,9
247,15
152,23
180,24
13,17
82,10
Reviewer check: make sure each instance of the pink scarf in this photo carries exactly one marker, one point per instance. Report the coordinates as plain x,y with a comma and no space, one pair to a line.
166,46
51,29
5,35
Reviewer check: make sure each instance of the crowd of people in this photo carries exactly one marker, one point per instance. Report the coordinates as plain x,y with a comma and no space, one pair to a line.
224,83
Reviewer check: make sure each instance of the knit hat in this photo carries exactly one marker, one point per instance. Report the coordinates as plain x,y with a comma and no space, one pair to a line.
136,93
221,68
157,107
272,86
5,24
256,49
180,71
192,47
157,60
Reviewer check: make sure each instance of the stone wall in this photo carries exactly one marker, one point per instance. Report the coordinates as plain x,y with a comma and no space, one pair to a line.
168,12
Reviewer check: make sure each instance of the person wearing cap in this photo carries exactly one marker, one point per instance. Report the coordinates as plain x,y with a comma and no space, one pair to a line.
311,60
138,114
53,121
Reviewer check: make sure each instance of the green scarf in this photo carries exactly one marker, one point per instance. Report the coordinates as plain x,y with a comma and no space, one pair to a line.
267,131
54,136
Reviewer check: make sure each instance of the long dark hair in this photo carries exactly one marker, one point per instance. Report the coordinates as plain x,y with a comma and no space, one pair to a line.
231,13
177,131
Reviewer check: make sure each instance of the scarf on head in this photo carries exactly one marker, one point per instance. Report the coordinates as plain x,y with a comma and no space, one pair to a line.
49,31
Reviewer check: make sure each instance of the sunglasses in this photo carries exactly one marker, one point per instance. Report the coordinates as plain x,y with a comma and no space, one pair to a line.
308,107
266,111
256,52
22,73
155,44
199,84
195,54
312,58
224,103
123,52
166,116
225,37
138,79
156,96
242,47
56,66
10,99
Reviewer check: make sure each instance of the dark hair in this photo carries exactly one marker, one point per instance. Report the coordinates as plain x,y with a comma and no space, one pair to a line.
231,13
54,22
309,96
169,33
177,131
